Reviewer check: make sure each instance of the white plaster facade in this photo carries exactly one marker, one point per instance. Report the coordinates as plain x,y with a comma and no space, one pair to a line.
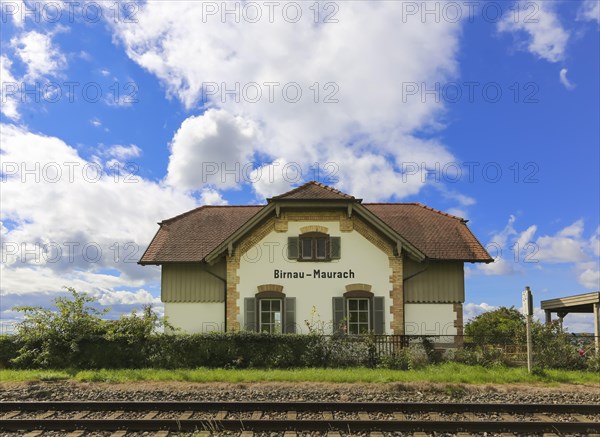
360,257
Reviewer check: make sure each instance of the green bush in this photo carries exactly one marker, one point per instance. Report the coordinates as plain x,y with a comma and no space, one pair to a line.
8,350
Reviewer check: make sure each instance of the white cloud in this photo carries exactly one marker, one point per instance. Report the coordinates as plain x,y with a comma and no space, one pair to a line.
565,246
373,133
209,196
94,227
95,122
271,179
40,55
547,38
590,278
472,310
215,148
123,152
10,89
513,249
589,11
595,242
564,80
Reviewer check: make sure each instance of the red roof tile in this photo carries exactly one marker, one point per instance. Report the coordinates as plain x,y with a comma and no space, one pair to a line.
435,233
313,191
191,236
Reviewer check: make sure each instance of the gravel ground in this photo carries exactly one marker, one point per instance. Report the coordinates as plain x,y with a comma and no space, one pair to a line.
308,392
418,392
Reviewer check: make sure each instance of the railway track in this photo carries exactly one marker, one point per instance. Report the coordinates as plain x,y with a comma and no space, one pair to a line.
346,417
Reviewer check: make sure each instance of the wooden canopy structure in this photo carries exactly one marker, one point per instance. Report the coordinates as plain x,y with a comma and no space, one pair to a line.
580,303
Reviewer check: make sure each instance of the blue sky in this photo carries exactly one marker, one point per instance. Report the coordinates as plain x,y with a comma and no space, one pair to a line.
138,111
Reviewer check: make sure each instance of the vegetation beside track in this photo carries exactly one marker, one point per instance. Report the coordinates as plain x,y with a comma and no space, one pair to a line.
454,373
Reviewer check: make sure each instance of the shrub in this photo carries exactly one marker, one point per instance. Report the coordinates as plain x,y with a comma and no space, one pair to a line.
8,350
501,326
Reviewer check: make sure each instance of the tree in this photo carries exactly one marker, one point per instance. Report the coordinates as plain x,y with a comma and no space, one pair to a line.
51,338
501,326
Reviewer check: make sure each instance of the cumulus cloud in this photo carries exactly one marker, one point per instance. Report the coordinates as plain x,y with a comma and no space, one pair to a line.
215,148
589,11
123,152
515,250
546,36
564,80
10,89
289,96
567,245
68,222
472,310
40,55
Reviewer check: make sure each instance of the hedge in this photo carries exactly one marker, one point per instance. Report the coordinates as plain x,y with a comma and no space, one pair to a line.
222,350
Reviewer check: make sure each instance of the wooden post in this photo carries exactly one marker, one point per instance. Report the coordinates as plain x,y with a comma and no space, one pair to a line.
597,326
548,317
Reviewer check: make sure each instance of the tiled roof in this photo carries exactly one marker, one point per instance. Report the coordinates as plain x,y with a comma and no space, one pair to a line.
190,237
313,191
437,234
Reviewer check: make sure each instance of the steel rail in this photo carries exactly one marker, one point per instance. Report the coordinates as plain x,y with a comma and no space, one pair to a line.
220,422
383,407
296,425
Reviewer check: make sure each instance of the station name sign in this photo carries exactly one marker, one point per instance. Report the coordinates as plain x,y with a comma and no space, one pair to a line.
316,273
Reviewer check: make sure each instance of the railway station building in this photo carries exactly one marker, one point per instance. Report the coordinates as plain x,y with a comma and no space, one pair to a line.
315,258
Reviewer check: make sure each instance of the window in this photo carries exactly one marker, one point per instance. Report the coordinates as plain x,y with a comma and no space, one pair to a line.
314,246
270,319
270,312
359,312
358,316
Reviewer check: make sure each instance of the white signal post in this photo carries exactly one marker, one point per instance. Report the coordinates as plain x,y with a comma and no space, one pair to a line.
528,312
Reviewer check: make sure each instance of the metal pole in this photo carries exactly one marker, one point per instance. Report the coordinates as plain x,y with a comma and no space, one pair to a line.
529,345
528,310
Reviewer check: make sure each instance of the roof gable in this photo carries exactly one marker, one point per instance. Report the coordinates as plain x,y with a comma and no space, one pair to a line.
313,190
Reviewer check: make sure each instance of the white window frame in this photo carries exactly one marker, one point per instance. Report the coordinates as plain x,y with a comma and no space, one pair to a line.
358,311
274,327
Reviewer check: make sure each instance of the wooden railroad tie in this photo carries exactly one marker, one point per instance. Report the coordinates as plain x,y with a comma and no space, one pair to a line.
80,415
256,415
46,415
400,416
161,434
151,415
327,415
115,415
247,434
118,434
363,415
35,433
186,415
12,414
221,415
75,434
290,434
292,415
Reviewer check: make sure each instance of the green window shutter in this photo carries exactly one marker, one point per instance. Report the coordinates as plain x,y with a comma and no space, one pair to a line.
335,247
338,314
250,319
290,315
293,247
379,315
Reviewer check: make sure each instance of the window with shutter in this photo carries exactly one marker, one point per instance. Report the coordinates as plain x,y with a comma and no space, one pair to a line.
290,315
250,314
293,247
